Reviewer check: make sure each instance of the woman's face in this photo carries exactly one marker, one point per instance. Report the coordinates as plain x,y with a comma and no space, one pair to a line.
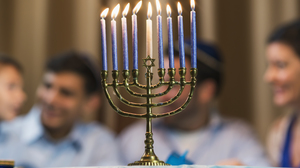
283,74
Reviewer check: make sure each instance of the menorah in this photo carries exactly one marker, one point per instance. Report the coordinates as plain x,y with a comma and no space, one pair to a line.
149,158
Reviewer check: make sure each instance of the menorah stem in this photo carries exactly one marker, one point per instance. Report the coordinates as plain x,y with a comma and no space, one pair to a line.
149,154
149,158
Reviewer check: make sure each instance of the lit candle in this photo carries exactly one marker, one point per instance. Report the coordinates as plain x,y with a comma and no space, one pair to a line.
114,37
159,34
149,45
134,35
193,36
180,36
124,38
103,39
170,38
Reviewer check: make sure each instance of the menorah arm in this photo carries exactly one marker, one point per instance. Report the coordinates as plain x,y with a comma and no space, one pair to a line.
135,74
193,73
161,74
125,101
171,100
133,93
177,110
119,111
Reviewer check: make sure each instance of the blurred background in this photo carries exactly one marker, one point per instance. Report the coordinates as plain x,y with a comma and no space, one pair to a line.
33,30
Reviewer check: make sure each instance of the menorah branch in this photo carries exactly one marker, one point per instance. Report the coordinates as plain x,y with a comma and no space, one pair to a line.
193,73
119,111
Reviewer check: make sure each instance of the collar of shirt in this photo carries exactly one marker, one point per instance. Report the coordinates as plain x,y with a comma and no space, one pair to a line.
215,122
3,130
33,131
6,129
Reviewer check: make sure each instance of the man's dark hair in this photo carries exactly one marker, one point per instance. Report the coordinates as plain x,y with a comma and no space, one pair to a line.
288,34
209,62
78,63
6,60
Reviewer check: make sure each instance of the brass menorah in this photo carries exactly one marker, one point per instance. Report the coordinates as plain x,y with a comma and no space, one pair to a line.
149,158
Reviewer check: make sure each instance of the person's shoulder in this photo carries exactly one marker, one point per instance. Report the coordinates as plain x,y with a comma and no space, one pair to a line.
278,130
280,125
15,125
138,126
234,126
96,128
276,136
134,130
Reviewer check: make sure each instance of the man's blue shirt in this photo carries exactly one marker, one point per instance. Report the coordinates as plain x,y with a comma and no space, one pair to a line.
220,140
25,141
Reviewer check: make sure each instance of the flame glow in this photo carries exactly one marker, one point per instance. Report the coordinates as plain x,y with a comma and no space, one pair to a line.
158,7
149,13
193,4
115,12
169,11
179,8
125,11
137,8
104,13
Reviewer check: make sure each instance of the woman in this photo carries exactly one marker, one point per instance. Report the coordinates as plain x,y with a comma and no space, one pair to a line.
283,74
11,88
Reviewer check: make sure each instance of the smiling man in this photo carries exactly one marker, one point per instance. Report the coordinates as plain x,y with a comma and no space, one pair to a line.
199,134
51,134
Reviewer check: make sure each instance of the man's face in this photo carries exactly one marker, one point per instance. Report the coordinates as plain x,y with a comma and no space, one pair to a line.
186,114
196,113
62,97
175,89
12,95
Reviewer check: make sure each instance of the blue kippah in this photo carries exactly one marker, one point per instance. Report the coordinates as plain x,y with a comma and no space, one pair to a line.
207,48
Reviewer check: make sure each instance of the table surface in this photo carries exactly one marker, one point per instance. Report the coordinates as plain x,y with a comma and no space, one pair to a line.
181,166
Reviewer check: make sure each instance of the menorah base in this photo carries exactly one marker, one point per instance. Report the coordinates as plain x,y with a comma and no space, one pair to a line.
149,163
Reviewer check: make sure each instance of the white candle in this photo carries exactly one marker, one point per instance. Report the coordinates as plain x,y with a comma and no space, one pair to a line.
149,45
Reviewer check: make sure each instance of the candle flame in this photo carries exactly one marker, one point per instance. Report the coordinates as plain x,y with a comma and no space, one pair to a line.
193,4
137,8
149,13
169,11
104,13
158,7
125,11
179,8
115,12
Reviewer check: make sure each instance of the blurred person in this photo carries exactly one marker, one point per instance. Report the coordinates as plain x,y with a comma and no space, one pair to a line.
197,135
12,95
283,75
51,134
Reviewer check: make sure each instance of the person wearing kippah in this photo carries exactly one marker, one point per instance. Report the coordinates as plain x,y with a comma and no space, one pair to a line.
52,134
199,134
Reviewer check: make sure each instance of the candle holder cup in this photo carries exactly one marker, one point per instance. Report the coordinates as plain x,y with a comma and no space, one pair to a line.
149,158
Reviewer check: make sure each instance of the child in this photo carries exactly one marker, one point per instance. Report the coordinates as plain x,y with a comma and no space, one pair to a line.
12,95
